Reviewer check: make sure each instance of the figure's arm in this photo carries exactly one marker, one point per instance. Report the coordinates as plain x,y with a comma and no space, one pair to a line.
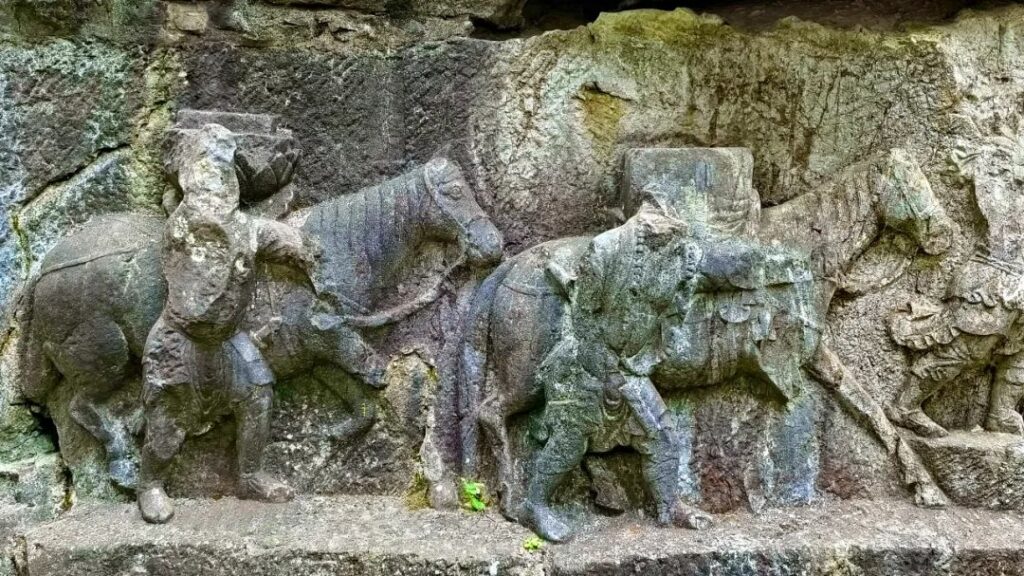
588,314
280,243
589,283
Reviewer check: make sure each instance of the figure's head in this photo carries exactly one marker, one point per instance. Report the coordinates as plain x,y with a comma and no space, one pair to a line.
457,216
202,163
908,204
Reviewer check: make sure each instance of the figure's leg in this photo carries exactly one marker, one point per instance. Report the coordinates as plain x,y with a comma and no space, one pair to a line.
661,451
168,408
252,416
95,360
563,452
164,438
929,375
829,370
1005,397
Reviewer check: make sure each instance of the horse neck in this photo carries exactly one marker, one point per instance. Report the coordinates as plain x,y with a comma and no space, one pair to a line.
371,233
849,220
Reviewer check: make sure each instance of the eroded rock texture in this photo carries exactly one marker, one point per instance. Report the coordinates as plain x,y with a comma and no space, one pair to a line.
537,104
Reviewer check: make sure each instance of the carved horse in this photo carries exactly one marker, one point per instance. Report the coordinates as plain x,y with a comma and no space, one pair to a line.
519,311
101,289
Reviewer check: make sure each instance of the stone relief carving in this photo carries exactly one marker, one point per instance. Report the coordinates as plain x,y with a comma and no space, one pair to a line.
720,298
596,336
100,292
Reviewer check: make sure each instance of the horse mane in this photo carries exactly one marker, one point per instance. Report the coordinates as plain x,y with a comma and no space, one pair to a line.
847,217
363,235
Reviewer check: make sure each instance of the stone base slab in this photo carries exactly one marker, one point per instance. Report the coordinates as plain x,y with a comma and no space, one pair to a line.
379,536
977,469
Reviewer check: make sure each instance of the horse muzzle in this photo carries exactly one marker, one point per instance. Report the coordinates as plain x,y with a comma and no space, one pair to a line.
484,244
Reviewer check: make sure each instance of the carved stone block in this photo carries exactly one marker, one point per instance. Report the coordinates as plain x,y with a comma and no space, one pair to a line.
981,469
266,155
709,187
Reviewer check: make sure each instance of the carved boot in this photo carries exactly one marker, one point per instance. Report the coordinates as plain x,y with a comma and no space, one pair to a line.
155,506
906,412
1002,410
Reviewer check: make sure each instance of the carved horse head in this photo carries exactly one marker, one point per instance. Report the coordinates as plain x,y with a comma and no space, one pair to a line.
455,216
906,203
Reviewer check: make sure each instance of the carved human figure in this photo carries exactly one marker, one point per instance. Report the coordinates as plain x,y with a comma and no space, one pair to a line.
597,384
980,326
198,364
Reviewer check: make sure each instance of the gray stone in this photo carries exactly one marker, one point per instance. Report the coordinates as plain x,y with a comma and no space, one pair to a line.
977,468
373,535
859,142
715,180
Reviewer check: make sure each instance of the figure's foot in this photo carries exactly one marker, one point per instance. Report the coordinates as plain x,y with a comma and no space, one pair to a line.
685,516
542,520
928,495
263,487
124,473
1006,421
155,506
916,421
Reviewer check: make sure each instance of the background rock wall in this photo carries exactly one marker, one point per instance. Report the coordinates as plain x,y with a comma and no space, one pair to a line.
538,121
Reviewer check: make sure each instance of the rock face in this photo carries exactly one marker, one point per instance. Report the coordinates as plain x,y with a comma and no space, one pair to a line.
764,261
371,535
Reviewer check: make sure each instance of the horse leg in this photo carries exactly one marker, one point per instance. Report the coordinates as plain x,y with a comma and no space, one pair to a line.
96,361
492,418
362,408
1007,391
794,445
351,352
830,371
561,454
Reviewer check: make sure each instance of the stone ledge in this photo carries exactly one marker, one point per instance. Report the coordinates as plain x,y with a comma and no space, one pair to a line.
378,536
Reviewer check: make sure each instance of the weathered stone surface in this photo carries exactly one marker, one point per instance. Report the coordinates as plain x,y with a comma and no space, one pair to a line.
501,13
365,535
982,469
540,125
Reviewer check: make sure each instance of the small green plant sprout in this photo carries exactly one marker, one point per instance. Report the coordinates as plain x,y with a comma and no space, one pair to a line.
533,543
473,496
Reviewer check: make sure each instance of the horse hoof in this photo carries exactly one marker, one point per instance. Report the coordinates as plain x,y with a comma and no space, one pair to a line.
155,506
1009,422
686,516
917,422
264,488
930,496
543,521
124,473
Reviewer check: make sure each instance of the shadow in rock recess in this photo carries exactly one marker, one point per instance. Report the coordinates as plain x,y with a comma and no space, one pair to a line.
754,15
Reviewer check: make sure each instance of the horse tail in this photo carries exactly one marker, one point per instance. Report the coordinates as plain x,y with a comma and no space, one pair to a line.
471,367
37,374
